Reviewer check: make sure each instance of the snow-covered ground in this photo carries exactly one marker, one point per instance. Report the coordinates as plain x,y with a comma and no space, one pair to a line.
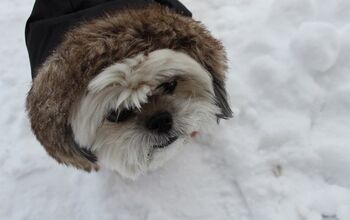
285,155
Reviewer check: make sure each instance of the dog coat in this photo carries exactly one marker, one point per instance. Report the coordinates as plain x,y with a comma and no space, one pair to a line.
71,41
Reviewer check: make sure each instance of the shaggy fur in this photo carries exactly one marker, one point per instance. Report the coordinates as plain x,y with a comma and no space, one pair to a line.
90,47
137,84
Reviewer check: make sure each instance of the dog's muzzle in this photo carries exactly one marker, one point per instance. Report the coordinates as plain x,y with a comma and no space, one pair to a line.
160,122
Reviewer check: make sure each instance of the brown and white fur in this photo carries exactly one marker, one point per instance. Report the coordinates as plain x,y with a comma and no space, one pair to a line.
135,83
121,66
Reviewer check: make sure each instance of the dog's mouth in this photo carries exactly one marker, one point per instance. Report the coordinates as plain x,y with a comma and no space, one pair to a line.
170,141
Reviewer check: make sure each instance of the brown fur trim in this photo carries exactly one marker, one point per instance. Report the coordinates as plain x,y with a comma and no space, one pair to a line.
94,45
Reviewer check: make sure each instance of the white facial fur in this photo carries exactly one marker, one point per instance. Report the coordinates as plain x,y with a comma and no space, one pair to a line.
128,147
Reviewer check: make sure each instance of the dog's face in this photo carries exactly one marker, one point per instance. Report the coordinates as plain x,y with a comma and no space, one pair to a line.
136,114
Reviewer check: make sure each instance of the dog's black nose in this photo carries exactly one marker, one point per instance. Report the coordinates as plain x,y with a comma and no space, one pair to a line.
160,122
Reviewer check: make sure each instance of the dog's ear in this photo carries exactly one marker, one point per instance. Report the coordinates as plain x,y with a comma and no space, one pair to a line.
221,98
83,152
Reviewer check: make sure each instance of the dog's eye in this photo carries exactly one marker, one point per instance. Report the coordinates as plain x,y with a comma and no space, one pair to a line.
114,116
169,87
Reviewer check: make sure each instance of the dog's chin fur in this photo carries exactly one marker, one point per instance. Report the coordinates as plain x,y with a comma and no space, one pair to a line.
128,146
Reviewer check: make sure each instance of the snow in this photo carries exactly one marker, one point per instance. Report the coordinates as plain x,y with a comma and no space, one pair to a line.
316,46
285,155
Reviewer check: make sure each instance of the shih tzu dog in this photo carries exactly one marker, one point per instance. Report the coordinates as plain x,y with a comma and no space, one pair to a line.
121,84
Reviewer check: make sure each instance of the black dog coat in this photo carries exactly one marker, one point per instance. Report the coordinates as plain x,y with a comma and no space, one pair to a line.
71,41
50,19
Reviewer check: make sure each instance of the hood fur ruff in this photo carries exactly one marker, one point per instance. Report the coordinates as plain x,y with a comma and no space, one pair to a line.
92,46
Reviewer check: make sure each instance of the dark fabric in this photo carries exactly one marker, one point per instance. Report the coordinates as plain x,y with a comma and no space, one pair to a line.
50,19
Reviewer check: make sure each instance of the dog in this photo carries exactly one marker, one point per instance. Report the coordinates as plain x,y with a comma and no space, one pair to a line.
123,86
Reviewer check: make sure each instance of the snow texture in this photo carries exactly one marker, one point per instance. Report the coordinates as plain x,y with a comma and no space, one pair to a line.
284,156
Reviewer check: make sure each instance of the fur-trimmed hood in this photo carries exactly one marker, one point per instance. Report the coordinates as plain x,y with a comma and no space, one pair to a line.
88,48
51,19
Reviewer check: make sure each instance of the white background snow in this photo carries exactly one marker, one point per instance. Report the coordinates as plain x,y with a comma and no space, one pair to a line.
285,155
